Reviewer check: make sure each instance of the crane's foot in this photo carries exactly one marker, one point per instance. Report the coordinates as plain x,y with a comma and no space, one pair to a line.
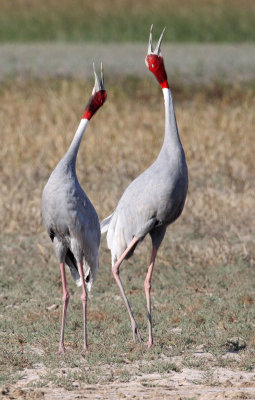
61,350
150,344
84,350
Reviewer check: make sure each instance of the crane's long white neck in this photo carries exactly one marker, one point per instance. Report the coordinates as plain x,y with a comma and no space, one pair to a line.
71,154
172,139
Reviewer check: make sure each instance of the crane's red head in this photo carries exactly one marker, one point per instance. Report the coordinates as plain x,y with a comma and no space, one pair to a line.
98,96
155,62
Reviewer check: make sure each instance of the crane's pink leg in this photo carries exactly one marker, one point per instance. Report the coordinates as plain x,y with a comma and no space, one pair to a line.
147,288
84,297
65,304
116,273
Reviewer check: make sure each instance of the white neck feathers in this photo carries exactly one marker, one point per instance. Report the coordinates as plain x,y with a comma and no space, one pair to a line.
71,153
171,131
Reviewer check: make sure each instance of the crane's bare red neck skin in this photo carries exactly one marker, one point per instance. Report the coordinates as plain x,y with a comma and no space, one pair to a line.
156,66
95,102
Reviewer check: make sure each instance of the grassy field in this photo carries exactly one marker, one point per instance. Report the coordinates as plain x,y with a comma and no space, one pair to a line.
203,289
127,20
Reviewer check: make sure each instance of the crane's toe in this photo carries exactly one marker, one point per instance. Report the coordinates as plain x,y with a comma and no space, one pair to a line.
84,351
61,350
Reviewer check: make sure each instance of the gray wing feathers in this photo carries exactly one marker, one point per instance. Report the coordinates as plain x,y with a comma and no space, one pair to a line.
105,224
85,242
90,270
122,226
70,261
150,201
72,222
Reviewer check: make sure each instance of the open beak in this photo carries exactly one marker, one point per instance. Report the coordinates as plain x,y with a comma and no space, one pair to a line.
157,49
102,77
98,86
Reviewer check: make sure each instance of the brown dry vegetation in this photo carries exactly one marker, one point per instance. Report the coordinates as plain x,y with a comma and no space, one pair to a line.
38,122
204,278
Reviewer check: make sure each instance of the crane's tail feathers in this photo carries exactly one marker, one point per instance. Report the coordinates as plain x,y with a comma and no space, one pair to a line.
88,278
105,224
71,262
90,269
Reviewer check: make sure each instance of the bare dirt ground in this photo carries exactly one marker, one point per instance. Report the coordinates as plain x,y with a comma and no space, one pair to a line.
188,383
186,63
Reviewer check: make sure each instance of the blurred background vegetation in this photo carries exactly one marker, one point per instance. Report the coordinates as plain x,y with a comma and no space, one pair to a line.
127,20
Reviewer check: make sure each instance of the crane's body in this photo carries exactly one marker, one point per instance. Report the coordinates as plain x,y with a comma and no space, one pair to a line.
70,218
154,200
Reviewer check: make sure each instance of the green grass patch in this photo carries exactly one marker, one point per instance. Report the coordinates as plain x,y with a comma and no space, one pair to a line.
228,21
30,331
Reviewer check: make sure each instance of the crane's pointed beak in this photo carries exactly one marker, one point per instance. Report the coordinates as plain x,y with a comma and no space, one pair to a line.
96,86
157,50
102,77
150,41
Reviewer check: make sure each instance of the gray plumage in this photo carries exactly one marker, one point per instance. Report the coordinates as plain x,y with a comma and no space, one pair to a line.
155,198
69,216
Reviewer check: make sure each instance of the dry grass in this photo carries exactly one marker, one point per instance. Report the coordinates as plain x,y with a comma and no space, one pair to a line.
204,281
38,122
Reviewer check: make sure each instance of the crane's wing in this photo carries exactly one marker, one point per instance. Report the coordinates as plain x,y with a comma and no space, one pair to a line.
124,224
85,229
71,262
105,223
